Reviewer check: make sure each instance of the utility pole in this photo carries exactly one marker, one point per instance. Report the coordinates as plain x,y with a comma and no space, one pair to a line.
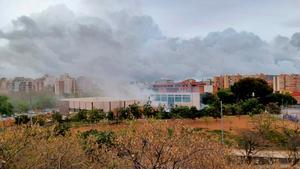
222,125
30,105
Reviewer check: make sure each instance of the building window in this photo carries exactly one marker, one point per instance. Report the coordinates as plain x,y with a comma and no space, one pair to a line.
186,98
157,97
170,100
163,98
178,98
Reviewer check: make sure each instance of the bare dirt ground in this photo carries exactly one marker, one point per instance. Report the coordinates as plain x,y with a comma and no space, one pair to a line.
232,124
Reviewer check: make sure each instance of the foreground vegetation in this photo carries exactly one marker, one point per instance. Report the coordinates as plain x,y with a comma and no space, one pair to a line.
49,141
154,144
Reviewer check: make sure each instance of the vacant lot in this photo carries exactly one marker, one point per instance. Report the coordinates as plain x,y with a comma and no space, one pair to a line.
232,124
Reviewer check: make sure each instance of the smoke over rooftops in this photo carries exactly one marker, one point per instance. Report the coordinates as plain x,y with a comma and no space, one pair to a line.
123,47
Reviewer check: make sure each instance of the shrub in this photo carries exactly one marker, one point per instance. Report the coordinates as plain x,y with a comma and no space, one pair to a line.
101,137
57,117
22,119
181,111
124,113
6,107
39,119
95,115
110,116
61,129
232,109
148,110
80,116
251,106
273,108
212,111
135,111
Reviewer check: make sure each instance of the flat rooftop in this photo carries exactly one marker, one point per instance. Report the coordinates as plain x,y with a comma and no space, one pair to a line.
100,99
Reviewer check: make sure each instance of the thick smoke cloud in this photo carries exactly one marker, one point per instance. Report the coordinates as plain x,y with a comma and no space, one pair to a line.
123,47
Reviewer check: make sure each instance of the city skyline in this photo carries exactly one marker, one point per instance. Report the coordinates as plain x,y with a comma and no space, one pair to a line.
124,41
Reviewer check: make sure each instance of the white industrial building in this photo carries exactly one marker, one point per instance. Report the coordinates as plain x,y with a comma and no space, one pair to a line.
176,99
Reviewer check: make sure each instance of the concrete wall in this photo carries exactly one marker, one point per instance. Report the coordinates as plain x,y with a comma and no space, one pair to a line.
68,105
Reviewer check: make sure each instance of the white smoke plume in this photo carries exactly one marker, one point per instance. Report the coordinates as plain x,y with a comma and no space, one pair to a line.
122,46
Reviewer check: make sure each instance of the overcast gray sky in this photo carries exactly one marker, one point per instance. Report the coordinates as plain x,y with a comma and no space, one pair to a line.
120,41
184,18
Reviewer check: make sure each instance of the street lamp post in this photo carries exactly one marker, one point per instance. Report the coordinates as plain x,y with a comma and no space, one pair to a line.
222,125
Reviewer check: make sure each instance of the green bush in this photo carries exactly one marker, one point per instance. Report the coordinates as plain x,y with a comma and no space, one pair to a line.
57,117
110,116
273,108
80,116
22,119
101,137
125,114
181,111
135,111
148,110
232,109
95,115
39,119
6,107
61,129
251,106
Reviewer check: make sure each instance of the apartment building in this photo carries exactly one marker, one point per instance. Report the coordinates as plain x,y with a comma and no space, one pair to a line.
4,86
226,81
21,84
65,85
186,86
288,83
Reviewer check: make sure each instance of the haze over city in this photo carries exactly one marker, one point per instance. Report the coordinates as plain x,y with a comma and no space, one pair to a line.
150,84
148,40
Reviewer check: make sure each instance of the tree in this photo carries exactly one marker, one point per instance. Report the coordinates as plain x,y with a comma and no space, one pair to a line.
281,99
22,107
251,106
6,107
273,108
148,109
226,96
251,143
44,100
251,87
208,98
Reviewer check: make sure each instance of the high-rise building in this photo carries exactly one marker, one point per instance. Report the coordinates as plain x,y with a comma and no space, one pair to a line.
226,81
21,84
65,86
288,83
4,86
189,85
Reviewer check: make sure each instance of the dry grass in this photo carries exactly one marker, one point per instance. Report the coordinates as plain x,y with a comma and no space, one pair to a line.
137,145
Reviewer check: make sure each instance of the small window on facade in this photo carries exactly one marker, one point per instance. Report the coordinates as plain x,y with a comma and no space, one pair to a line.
186,98
157,97
178,98
163,98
